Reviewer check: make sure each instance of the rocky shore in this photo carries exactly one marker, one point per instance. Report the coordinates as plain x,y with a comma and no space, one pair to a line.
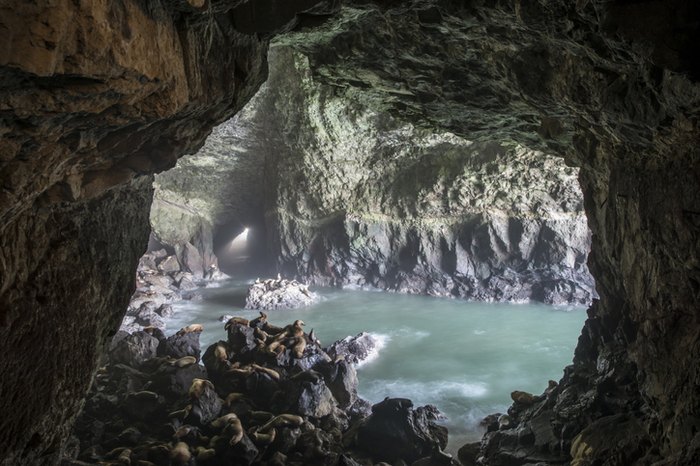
161,279
279,293
266,395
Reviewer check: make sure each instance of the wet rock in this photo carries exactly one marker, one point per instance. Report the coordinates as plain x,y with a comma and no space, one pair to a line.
341,379
397,431
241,339
192,261
279,294
354,349
180,345
134,349
169,265
307,394
206,404
165,310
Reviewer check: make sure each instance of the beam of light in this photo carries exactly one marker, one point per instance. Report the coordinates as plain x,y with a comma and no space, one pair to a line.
238,244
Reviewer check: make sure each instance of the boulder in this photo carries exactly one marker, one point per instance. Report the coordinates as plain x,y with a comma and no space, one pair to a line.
341,379
179,346
395,431
134,349
279,293
169,265
353,349
192,260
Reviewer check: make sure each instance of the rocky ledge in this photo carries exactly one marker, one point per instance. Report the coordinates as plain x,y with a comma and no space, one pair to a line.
279,293
161,279
267,395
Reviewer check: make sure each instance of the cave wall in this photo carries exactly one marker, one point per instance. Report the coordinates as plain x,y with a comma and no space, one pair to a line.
94,98
561,78
362,197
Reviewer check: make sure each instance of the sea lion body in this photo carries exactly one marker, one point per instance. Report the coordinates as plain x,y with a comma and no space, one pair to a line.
198,386
192,328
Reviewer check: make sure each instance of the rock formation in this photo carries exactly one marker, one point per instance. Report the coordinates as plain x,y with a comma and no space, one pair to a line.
250,404
279,294
96,96
354,196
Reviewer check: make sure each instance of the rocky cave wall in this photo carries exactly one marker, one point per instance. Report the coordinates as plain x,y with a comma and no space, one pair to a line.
354,196
94,98
88,115
560,77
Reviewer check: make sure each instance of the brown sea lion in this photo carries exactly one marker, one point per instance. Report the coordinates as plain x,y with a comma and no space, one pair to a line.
180,453
192,328
523,398
198,386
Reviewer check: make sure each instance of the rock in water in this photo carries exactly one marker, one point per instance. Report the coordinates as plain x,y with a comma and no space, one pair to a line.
279,294
354,349
396,431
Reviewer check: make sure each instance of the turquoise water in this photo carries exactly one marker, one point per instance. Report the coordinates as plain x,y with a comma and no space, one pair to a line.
463,357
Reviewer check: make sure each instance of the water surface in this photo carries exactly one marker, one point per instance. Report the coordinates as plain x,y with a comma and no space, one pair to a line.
463,357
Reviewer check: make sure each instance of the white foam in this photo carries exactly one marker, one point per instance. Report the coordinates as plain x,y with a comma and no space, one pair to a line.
380,341
425,392
479,332
413,334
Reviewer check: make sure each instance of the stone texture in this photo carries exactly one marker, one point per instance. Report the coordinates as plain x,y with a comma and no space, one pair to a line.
95,97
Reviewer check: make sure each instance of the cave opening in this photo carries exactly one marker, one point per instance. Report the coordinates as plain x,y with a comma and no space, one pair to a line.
325,188
96,97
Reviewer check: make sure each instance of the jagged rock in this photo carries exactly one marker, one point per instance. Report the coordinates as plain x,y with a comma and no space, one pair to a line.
179,346
341,379
206,405
241,338
353,349
165,310
279,294
307,396
397,431
192,261
169,265
134,349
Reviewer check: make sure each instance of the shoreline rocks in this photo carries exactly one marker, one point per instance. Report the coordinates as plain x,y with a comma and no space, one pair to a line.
266,395
162,279
279,293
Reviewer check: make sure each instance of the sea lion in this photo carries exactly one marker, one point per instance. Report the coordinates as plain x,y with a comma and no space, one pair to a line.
234,429
185,361
282,420
260,334
192,328
550,387
259,322
236,321
182,413
180,454
260,416
234,397
198,386
299,347
205,454
221,422
265,370
220,353
264,438
523,398
272,329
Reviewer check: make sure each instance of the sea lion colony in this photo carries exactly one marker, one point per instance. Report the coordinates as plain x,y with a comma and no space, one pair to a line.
266,395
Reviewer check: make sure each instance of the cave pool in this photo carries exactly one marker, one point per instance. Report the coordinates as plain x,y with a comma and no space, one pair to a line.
464,357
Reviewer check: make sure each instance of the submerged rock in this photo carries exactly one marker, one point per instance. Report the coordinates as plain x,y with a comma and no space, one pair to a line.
279,293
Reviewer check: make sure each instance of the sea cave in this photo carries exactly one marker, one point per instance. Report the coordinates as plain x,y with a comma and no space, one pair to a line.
344,232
